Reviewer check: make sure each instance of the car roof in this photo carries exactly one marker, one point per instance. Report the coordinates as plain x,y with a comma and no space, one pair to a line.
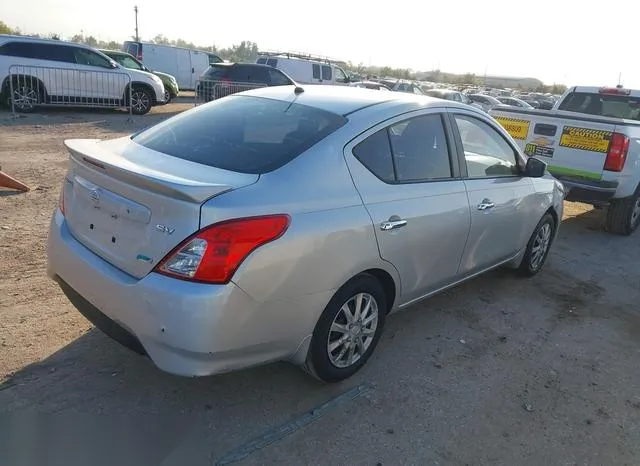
4,38
344,100
233,64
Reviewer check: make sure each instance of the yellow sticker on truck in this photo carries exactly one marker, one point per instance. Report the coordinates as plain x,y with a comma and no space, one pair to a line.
593,140
518,129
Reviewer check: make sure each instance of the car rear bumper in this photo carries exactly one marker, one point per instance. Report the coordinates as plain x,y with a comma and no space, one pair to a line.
187,329
596,192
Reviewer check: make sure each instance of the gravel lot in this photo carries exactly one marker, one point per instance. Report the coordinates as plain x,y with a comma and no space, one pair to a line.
499,371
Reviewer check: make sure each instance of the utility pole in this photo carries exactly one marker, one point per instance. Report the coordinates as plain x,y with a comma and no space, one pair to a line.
135,8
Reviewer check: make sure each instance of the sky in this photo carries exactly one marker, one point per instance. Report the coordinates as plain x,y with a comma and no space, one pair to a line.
558,41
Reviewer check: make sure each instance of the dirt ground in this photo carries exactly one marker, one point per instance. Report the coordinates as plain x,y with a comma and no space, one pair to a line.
499,371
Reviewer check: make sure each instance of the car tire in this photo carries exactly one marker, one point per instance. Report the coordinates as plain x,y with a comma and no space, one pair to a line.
623,215
26,90
167,96
328,359
538,246
141,100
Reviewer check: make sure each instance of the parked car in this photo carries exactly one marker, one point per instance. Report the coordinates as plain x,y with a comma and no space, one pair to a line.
591,139
514,102
285,223
65,73
485,101
370,85
305,69
183,63
222,79
455,96
171,88
402,85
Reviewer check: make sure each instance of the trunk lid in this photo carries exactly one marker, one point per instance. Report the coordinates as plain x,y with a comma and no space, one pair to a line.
131,205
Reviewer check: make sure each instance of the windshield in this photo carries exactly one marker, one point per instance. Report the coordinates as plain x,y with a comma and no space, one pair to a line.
242,133
614,106
128,62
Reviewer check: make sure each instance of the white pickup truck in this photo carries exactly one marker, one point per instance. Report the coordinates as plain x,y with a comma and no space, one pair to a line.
590,141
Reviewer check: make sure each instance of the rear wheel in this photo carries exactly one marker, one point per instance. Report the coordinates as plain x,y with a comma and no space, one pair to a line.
623,215
348,330
538,246
26,96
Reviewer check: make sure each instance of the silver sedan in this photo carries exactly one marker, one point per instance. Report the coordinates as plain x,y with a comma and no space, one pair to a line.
287,223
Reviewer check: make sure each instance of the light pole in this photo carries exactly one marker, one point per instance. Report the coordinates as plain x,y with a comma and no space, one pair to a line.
135,8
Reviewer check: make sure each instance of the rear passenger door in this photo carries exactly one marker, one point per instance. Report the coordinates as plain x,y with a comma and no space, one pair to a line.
502,201
409,180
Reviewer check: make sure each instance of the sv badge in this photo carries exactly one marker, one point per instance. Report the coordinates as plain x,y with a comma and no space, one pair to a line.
165,229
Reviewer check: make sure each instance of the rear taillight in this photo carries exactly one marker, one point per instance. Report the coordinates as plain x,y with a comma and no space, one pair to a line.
214,253
617,154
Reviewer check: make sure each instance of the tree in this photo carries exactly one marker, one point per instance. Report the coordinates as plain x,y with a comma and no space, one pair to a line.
4,29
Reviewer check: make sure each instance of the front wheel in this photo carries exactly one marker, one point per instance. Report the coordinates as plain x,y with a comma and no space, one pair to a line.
538,246
141,101
623,215
167,96
348,330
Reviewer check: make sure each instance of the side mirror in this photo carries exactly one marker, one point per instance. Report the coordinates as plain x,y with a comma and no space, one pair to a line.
535,168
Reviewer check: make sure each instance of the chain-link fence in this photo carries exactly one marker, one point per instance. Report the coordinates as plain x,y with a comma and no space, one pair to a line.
208,90
37,86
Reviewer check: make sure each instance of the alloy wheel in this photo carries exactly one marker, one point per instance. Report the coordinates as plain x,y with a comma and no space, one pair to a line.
540,246
352,330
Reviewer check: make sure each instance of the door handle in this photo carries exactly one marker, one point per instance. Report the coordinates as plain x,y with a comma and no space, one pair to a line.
392,224
486,204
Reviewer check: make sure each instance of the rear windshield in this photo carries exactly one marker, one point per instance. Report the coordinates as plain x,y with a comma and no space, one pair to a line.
244,134
217,72
615,106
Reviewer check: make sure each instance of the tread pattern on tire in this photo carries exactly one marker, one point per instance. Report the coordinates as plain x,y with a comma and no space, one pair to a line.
619,216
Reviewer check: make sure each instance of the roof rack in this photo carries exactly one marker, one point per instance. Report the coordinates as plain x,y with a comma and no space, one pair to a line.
301,55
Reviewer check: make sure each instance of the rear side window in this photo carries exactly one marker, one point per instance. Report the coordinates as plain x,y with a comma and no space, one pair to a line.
19,49
316,71
216,72
242,133
413,150
326,73
278,78
52,52
615,106
272,62
261,61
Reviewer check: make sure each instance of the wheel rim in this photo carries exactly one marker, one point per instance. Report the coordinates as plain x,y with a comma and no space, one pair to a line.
167,96
352,330
540,246
635,213
25,97
139,101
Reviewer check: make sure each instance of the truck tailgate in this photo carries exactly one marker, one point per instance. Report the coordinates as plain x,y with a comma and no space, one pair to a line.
571,145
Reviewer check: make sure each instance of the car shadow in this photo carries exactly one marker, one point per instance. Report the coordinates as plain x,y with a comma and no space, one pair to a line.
429,359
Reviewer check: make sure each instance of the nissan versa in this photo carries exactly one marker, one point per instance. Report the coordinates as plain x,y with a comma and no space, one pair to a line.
286,223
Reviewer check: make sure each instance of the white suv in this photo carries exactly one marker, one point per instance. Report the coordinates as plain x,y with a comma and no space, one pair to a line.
64,73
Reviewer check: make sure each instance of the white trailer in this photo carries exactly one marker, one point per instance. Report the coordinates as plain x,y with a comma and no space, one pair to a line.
186,65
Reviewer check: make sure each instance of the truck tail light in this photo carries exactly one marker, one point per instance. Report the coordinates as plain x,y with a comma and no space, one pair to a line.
617,154
213,254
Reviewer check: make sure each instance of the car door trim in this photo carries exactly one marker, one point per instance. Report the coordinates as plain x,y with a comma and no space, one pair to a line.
457,282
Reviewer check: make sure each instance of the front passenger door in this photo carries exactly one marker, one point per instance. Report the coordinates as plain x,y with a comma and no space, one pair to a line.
501,200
